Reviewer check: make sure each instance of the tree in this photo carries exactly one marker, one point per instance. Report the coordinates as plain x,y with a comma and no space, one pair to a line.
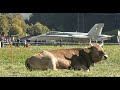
18,25
13,23
4,24
37,29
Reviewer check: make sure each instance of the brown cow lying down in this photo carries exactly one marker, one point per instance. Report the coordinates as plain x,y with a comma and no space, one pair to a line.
81,58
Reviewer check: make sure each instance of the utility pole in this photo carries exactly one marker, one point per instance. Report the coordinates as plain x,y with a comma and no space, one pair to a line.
115,21
78,22
83,22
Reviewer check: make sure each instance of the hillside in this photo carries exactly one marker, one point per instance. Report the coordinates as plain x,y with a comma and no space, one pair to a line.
69,21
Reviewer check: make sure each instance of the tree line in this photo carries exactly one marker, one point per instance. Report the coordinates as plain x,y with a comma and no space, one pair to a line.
14,24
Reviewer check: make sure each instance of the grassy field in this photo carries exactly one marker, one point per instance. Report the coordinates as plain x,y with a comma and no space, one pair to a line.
107,68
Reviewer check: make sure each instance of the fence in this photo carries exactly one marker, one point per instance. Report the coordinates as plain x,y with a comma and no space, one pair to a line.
12,54
57,43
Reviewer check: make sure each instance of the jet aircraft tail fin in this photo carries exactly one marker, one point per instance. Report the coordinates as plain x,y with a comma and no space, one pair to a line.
96,29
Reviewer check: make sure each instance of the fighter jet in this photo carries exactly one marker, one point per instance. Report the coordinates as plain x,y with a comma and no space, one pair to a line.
94,34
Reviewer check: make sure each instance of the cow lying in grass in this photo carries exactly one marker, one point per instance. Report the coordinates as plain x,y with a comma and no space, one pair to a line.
81,58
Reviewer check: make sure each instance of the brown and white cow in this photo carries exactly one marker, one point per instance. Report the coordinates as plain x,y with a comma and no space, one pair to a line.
81,58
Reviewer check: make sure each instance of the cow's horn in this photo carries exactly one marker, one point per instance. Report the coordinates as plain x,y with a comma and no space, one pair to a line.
90,43
102,43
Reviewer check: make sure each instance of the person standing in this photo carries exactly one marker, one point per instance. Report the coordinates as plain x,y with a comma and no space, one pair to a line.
36,42
2,39
18,42
60,42
25,42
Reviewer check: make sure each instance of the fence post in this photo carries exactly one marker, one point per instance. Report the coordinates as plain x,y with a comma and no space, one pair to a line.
11,56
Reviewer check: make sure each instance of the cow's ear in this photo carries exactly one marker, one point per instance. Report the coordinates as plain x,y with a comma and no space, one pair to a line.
87,50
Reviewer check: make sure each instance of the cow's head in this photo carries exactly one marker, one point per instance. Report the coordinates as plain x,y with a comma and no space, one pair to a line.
97,53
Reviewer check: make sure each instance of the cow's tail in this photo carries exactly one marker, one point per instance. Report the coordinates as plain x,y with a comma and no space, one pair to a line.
27,65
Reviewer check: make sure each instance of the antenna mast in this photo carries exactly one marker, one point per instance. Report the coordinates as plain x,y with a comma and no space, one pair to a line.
78,22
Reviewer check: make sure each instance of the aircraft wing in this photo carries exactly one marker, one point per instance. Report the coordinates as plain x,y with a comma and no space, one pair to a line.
80,36
51,37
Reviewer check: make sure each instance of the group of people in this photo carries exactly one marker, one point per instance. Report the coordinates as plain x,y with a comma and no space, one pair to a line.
60,43
18,43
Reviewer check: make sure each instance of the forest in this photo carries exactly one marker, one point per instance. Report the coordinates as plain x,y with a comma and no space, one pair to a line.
14,24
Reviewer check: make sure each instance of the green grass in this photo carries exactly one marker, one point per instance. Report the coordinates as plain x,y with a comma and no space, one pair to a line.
106,68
